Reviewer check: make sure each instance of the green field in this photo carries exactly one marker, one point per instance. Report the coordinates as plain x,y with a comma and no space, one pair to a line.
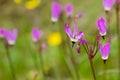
56,62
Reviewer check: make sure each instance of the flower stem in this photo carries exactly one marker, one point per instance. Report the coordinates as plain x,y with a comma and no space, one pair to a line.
118,33
10,60
104,66
41,64
108,14
92,66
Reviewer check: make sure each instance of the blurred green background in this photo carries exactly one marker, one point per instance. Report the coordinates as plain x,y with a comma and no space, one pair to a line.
60,62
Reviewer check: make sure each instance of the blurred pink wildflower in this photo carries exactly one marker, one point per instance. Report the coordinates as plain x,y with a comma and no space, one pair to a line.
11,36
36,34
56,9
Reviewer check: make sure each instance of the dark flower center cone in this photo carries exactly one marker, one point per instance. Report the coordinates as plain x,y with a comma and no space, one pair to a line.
103,37
73,43
104,61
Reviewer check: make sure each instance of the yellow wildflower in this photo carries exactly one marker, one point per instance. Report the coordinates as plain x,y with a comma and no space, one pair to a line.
17,1
54,39
32,4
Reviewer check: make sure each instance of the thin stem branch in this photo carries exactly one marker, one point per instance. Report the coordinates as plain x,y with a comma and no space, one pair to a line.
87,46
108,24
92,67
85,49
41,63
97,49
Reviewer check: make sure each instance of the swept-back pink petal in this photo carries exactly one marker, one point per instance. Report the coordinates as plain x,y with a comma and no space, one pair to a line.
75,32
108,4
80,35
101,26
68,31
15,33
56,11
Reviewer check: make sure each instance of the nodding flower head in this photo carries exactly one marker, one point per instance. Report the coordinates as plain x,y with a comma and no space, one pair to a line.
69,10
56,11
108,4
75,36
2,32
36,34
105,50
101,26
11,36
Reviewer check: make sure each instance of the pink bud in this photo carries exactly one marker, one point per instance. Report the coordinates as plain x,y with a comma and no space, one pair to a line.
78,48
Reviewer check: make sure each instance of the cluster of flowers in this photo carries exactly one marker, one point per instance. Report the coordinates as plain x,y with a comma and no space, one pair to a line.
57,9
11,36
76,37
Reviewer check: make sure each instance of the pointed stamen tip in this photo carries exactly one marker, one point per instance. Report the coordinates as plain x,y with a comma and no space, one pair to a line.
103,37
104,61
73,43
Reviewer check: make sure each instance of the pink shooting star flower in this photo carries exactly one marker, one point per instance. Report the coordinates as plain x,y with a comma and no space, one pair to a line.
69,10
76,35
101,27
105,50
36,34
56,11
108,4
2,33
11,36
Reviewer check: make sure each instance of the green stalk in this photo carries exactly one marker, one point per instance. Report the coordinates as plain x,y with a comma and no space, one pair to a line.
118,33
10,60
92,67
